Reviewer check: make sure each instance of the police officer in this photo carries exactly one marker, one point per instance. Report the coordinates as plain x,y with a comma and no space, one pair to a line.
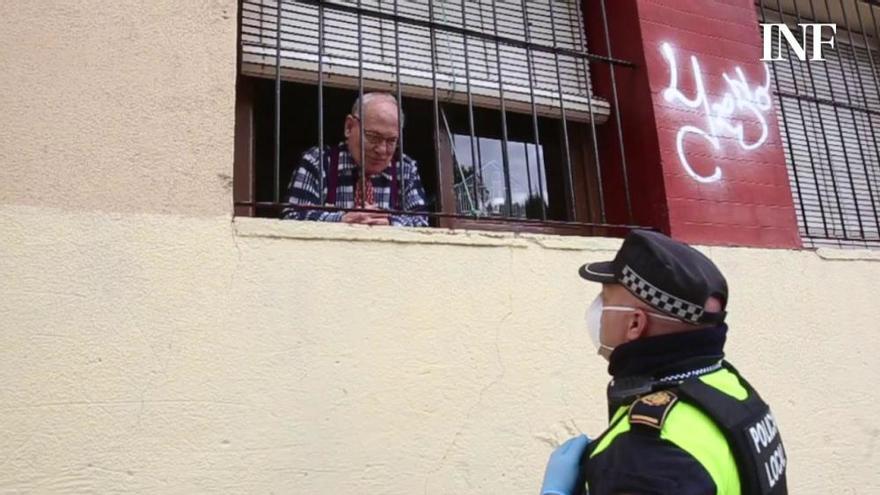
682,419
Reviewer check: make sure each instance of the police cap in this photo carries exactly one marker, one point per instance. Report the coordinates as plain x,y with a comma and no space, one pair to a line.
666,274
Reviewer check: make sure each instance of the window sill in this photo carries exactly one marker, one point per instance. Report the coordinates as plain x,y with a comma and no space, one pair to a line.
321,231
836,254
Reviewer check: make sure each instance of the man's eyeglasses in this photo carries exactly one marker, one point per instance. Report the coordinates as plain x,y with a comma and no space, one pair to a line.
376,139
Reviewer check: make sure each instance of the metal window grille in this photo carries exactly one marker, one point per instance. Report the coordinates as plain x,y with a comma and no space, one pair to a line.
519,58
829,114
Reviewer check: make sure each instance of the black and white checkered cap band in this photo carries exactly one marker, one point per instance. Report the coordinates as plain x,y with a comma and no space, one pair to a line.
659,299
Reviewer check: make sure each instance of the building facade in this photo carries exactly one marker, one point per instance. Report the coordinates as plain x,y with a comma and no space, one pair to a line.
164,332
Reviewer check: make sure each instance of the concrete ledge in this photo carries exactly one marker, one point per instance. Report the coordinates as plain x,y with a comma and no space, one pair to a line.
287,229
833,254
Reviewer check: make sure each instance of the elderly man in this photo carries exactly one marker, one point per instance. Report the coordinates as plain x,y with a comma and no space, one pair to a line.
343,172
683,420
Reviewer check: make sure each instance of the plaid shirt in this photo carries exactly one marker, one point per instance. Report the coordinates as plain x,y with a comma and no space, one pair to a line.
304,184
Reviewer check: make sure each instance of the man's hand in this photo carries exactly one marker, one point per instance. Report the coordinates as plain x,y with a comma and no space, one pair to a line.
376,220
371,216
564,466
361,217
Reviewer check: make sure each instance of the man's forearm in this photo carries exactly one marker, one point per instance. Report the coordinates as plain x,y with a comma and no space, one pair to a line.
313,215
409,220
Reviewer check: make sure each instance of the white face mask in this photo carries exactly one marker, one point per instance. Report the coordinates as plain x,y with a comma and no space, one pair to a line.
594,321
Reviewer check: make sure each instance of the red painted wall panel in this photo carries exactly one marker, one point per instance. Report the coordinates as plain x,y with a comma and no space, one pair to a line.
702,143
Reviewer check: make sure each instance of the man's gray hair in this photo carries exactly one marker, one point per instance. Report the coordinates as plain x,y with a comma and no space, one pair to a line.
375,96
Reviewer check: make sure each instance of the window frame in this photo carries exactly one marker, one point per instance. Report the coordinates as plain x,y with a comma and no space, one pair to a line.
584,214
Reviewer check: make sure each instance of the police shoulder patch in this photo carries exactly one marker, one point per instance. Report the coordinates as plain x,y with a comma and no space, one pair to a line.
651,410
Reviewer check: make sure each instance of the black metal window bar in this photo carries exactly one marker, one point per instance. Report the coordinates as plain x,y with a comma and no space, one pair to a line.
520,63
829,115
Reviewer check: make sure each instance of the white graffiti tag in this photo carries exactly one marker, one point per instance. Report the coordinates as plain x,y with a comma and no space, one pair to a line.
739,98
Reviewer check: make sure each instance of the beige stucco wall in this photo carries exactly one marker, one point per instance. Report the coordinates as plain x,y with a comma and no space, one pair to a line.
150,344
123,105
165,354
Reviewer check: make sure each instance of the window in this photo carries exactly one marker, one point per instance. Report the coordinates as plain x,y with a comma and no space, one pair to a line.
498,104
829,116
481,186
534,183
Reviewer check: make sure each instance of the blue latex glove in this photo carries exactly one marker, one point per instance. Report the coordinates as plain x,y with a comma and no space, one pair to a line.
564,466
